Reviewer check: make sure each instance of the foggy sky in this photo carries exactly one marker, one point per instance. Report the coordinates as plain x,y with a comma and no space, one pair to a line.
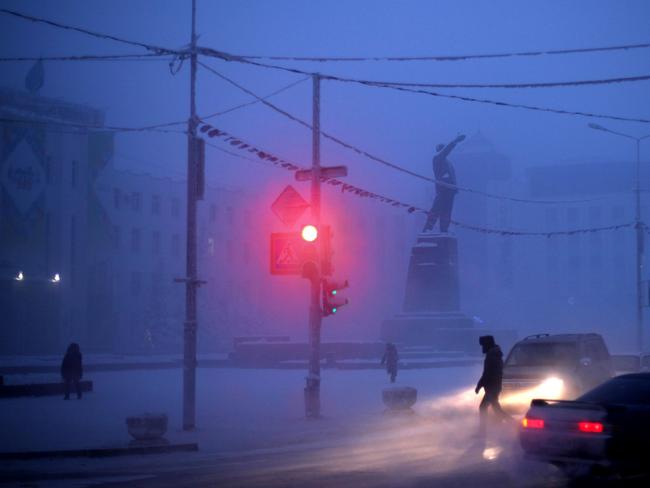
400,127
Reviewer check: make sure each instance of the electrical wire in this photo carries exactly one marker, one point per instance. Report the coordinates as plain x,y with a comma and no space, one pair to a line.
227,57
464,57
99,35
93,57
97,128
240,143
253,102
383,161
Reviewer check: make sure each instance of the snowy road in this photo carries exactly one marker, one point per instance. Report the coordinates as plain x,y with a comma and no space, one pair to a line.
252,433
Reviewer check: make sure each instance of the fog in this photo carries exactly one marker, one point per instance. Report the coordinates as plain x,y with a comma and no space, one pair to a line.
372,240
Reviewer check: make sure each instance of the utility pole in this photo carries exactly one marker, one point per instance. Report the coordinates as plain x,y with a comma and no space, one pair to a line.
191,280
640,229
639,249
312,388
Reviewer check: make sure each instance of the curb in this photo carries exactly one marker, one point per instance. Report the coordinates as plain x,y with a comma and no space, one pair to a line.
96,453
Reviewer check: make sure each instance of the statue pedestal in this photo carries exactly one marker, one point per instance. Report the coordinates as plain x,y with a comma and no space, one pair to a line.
431,309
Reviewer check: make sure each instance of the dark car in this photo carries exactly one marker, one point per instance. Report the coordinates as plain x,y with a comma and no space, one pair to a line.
558,366
608,427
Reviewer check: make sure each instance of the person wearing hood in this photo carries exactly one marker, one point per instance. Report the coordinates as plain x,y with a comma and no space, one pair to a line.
71,370
490,381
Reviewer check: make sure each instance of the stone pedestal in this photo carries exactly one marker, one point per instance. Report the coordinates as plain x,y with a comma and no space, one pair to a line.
431,309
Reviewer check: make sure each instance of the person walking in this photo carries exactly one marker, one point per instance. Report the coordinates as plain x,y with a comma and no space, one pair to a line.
490,381
71,370
390,359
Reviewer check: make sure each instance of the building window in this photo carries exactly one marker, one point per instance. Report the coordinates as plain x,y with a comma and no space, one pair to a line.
73,175
136,283
176,207
136,201
618,214
551,218
176,245
155,204
572,215
73,247
213,213
135,240
595,214
117,196
155,242
116,237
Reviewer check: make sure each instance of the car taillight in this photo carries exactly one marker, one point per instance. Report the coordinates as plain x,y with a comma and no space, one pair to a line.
532,423
591,427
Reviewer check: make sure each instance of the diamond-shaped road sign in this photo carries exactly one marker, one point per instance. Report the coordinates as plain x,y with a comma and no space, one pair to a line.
289,206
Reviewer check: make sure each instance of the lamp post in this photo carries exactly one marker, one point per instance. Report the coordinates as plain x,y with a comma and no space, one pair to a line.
638,225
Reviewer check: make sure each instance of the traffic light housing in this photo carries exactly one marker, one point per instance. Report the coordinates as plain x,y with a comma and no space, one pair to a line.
327,268
333,298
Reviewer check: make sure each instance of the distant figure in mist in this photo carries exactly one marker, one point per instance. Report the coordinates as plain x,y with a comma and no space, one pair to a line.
390,359
71,370
445,175
491,382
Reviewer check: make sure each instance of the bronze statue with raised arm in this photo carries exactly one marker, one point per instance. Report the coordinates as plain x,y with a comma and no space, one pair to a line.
445,187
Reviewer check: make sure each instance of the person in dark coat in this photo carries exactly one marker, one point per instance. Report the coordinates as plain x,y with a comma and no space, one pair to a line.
446,189
390,359
490,381
71,370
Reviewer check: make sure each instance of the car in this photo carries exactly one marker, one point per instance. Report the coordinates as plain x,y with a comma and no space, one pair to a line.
558,366
608,427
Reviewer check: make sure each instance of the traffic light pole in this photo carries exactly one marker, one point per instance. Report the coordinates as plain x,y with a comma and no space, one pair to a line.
191,281
312,388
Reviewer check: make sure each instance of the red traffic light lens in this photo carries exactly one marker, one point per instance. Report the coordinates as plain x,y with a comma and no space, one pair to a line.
309,233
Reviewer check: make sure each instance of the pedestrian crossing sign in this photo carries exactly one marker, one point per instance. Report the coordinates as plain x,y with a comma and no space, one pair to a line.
289,253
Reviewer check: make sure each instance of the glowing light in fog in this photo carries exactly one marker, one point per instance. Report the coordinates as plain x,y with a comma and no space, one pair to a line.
491,453
549,389
20,276
56,278
309,233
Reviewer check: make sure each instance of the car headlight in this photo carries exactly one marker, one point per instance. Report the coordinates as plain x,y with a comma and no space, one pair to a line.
551,388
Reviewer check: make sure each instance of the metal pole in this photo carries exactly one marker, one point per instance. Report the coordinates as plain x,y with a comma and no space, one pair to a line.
312,388
190,325
639,251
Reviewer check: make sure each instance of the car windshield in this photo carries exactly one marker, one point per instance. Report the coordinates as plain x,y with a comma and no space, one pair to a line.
628,391
543,354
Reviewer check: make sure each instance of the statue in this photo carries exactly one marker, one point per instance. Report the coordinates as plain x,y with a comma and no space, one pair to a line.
445,175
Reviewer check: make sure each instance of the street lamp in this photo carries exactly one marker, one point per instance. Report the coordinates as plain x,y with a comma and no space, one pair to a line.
639,229
20,276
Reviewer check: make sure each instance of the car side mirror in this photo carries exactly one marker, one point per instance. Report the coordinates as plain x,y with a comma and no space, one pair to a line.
585,362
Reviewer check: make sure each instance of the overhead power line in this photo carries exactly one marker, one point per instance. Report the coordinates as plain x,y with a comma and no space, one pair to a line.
98,128
253,102
462,57
548,84
92,57
381,160
265,156
226,57
99,35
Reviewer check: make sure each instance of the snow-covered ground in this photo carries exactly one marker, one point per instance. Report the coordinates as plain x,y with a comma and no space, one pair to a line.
251,423
236,408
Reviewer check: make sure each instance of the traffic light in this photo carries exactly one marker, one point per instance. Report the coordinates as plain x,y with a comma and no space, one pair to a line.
333,298
309,233
327,268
